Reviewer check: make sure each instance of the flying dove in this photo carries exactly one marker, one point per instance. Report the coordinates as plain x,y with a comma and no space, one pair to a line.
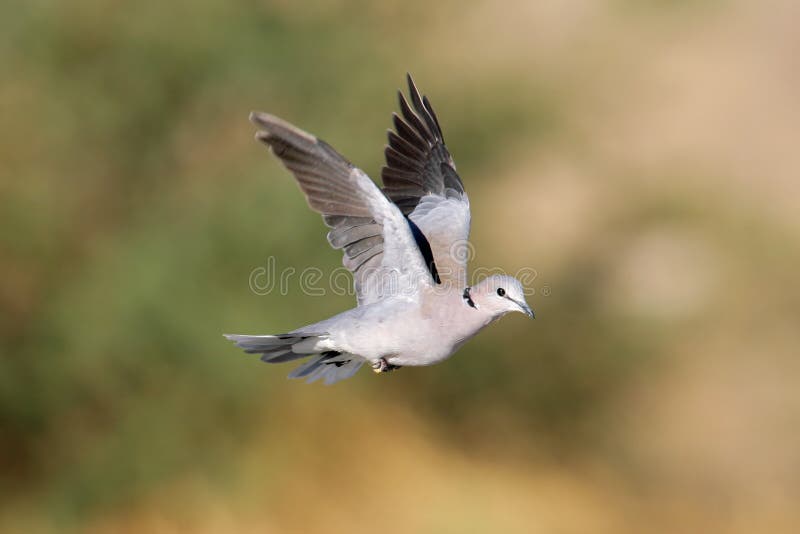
404,244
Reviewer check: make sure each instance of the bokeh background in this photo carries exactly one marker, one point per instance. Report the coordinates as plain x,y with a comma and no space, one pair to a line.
641,156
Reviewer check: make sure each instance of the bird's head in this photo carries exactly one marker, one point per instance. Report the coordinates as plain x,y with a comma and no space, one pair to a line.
499,294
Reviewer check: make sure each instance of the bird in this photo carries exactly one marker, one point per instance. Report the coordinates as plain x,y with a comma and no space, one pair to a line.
404,244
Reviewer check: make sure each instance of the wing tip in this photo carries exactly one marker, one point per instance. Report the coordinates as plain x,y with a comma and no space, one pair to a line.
259,118
410,81
276,127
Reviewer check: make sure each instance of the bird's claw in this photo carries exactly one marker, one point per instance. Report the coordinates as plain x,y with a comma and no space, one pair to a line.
382,366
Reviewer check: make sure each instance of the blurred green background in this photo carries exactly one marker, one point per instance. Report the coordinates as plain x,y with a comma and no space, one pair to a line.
641,156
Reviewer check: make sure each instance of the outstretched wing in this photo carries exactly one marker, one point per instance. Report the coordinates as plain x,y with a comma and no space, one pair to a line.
379,247
420,177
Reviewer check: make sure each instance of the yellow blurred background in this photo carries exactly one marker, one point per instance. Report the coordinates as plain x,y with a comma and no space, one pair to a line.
642,157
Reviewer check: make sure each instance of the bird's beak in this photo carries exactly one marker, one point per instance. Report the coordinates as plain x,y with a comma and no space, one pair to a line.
524,308
528,311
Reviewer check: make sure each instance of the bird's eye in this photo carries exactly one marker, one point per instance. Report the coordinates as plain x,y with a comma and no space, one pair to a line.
501,291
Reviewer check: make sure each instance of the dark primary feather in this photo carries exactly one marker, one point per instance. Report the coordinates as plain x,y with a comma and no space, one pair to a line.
417,161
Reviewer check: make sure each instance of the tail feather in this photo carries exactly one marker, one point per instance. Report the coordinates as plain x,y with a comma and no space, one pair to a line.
281,357
280,348
329,365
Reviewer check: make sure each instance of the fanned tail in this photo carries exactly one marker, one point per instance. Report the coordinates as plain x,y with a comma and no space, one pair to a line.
328,365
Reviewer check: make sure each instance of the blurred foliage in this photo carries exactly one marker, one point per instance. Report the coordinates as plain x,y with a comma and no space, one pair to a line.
641,156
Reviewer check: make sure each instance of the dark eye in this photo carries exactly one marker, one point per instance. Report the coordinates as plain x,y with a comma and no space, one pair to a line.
501,291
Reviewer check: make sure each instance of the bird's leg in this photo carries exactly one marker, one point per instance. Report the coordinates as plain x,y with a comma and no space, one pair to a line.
382,366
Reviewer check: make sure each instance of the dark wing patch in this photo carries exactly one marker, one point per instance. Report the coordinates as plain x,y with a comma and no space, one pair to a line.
425,249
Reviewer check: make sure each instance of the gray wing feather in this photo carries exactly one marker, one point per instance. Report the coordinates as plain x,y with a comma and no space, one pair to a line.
372,232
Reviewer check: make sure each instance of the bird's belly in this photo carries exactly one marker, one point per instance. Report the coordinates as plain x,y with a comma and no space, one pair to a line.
423,350
404,338
418,359
410,346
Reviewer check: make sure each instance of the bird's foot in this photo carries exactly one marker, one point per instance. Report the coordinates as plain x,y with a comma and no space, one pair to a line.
382,366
